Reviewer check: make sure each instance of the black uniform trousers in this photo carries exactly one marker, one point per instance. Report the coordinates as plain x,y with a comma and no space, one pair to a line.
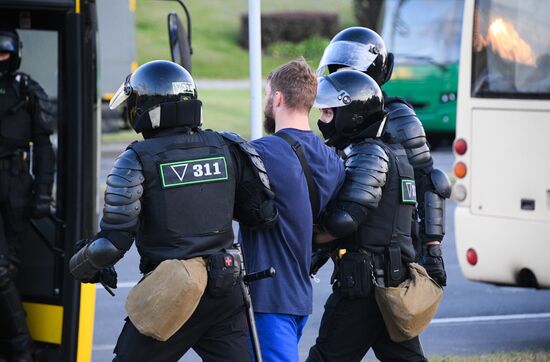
217,331
15,200
350,327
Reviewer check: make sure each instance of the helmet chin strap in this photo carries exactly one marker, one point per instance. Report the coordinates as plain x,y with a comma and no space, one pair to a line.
382,126
389,68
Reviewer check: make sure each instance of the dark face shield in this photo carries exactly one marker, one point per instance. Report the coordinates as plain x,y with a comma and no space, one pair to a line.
349,54
340,89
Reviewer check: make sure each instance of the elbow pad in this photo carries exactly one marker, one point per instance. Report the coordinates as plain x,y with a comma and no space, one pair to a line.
93,257
441,183
339,223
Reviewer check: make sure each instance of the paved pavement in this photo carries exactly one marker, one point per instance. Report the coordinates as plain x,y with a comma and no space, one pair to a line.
473,318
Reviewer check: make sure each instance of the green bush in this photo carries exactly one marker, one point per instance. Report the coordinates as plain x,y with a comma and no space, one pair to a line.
292,26
311,49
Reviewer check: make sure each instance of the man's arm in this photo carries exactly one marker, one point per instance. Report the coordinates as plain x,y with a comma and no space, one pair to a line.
119,223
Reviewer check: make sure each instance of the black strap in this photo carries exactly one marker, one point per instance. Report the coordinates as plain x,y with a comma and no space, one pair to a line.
313,192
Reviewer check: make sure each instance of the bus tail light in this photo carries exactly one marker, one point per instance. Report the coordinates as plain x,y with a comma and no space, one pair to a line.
460,169
460,146
471,257
459,192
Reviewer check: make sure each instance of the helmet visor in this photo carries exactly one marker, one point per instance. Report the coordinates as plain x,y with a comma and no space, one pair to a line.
8,43
350,54
122,94
330,94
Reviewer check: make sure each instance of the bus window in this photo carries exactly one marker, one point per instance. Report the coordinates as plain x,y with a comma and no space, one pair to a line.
417,35
424,36
510,49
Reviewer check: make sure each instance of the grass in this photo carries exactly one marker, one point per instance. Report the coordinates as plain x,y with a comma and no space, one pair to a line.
223,110
215,32
496,357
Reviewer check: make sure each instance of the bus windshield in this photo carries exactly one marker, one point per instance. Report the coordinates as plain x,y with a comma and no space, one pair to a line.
510,49
423,31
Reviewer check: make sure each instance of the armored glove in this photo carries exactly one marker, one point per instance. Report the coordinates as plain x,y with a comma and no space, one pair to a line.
41,206
106,276
432,260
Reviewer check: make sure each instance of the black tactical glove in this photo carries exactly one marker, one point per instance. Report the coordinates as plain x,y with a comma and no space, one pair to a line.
432,260
318,259
41,206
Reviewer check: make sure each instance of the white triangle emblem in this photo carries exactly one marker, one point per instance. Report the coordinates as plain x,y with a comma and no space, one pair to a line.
182,174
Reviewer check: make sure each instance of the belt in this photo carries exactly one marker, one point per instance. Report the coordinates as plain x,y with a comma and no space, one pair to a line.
5,164
15,162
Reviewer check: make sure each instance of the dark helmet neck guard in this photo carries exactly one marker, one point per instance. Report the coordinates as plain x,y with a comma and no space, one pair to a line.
186,113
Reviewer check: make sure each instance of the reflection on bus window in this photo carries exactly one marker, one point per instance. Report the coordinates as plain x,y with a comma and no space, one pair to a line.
511,52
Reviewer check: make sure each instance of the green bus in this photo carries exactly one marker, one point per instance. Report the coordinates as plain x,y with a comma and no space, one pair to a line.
424,36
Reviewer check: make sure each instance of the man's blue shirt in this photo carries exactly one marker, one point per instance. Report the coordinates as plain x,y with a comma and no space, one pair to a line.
287,246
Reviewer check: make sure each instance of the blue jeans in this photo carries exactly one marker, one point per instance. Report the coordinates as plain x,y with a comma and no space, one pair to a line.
279,335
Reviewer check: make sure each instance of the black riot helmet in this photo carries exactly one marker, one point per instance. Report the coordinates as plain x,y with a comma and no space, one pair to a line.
10,43
361,49
358,106
159,94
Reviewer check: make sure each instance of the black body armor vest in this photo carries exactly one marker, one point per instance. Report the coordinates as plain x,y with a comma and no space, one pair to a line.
189,193
15,119
389,224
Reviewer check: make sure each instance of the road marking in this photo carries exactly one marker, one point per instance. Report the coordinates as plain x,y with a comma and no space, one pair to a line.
104,347
120,285
490,318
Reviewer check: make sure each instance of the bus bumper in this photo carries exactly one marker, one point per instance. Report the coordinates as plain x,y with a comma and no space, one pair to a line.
504,247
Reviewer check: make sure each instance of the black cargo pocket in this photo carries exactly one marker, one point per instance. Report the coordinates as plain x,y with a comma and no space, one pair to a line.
354,275
223,273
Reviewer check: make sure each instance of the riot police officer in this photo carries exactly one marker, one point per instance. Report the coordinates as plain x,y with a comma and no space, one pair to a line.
26,122
370,218
364,50
176,193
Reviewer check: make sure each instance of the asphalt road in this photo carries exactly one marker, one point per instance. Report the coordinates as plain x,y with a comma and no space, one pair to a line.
473,318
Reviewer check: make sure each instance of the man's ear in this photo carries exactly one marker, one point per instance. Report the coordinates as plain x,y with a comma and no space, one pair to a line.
278,99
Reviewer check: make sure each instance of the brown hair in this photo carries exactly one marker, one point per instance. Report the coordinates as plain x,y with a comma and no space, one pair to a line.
298,83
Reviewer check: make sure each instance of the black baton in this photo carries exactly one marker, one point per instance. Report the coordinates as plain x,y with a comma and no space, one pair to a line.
244,280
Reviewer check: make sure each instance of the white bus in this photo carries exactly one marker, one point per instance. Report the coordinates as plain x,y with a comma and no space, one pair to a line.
502,144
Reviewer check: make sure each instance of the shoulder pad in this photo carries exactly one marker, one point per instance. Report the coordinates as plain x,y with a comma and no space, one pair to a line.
128,160
252,155
419,157
232,137
43,109
123,193
367,148
366,171
404,127
441,182
391,100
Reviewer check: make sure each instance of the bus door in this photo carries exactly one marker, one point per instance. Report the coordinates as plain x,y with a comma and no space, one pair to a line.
59,51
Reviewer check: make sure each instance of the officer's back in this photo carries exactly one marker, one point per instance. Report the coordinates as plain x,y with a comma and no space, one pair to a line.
176,193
